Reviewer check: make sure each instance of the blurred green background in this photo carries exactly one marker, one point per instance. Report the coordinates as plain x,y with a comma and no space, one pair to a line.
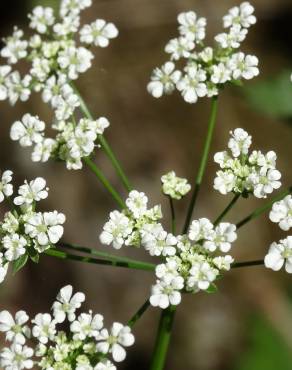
247,325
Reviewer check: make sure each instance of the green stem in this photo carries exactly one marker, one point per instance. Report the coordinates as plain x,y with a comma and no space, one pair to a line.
203,163
139,313
105,255
227,209
131,265
247,264
264,208
104,181
163,338
173,218
104,145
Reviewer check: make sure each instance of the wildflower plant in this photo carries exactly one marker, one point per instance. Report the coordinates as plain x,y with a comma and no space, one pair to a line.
186,261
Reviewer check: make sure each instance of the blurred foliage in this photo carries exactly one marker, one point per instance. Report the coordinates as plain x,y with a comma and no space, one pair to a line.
52,3
267,349
272,97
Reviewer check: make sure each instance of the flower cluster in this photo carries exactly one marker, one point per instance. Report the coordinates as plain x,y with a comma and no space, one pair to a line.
243,172
281,253
24,232
55,60
85,346
173,186
208,70
191,262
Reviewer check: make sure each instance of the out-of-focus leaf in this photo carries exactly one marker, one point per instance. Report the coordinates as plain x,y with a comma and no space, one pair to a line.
267,350
19,263
272,97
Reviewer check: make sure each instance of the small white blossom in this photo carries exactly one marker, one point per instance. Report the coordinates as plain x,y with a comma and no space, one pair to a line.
44,328
242,65
75,61
179,48
14,245
223,262
241,15
224,182
192,27
36,190
41,18
200,229
15,48
6,189
86,326
280,254
43,150
201,276
66,304
220,74
116,230
240,142
4,72
18,88
265,182
167,292
15,328
222,238
157,241
281,213
105,365
137,203
174,186
98,33
192,85
232,39
163,80
17,357
28,131
120,336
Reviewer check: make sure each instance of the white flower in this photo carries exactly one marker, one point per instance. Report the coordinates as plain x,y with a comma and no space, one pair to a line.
192,84
41,18
232,39
113,342
224,235
15,246
67,304
179,48
167,292
3,268
167,270
163,80
200,229
157,241
240,142
73,6
137,203
86,326
16,357
98,33
36,190
41,67
280,253
28,131
265,182
52,89
43,150
18,88
44,328
174,186
14,328
220,74
223,262
224,182
75,61
201,276
45,228
191,27
281,213
15,48
116,230
6,189
242,65
4,71
242,15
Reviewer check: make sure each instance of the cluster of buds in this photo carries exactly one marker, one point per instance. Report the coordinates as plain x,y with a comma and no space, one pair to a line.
173,186
209,69
41,344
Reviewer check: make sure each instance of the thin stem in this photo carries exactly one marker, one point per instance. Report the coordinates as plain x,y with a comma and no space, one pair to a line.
227,209
264,208
139,313
104,145
173,218
203,163
105,255
132,265
248,263
163,338
104,181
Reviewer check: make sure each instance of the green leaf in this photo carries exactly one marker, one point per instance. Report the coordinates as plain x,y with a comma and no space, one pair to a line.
19,263
212,289
33,254
272,97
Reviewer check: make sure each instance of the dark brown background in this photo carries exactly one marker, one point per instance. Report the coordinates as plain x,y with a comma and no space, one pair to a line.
151,137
